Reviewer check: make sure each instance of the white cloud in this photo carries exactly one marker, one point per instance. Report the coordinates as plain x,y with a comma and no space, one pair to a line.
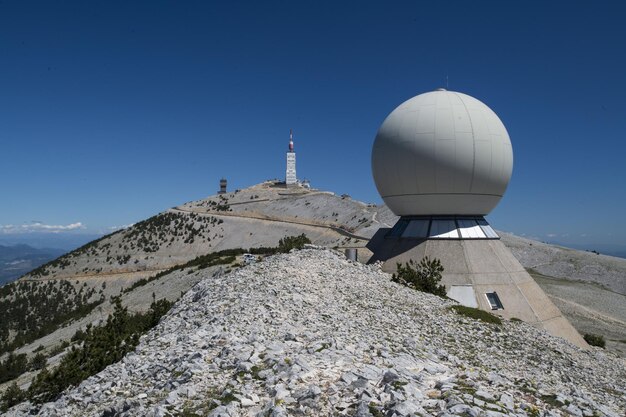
39,227
124,226
551,235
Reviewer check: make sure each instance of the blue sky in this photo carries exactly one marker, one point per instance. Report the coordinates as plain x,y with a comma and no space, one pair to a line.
113,111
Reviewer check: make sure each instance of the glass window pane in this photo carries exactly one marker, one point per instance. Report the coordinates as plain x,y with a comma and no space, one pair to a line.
443,229
398,228
494,301
417,228
487,229
470,229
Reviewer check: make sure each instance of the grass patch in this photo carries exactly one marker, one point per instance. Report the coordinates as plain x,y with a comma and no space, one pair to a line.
227,398
374,410
551,400
476,314
324,346
466,388
397,385
255,370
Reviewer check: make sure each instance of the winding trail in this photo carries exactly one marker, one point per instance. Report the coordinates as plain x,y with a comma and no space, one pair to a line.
258,216
101,274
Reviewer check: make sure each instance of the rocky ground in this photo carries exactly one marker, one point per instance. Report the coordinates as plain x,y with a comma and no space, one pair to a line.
310,333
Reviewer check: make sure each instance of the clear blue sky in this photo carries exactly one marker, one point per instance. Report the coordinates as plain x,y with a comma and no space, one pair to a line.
112,111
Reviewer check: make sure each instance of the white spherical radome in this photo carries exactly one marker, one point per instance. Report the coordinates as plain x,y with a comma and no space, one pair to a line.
442,153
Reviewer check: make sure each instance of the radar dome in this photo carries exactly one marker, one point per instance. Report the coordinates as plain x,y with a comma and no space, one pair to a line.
442,153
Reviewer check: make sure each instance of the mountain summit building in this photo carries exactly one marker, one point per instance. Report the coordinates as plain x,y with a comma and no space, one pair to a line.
290,174
442,161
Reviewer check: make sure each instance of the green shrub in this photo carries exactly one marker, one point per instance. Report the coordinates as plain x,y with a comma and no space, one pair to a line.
292,242
59,348
12,395
424,277
477,314
595,340
38,362
13,366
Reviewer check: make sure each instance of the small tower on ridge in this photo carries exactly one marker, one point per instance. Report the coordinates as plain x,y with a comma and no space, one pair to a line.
222,186
290,174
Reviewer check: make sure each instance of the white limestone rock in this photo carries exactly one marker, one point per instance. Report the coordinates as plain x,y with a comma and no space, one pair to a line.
310,333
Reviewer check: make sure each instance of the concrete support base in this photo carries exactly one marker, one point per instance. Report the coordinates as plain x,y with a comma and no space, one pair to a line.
475,267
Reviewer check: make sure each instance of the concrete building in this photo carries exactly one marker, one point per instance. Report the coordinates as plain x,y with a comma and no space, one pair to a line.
290,174
442,160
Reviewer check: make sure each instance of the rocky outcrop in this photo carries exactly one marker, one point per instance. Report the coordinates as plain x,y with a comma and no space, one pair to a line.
310,333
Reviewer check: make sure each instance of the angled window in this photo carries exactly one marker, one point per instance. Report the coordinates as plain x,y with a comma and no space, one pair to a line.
469,229
443,229
417,228
494,301
487,229
397,230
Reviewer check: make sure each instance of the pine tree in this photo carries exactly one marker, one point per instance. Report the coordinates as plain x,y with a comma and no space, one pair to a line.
424,277
12,395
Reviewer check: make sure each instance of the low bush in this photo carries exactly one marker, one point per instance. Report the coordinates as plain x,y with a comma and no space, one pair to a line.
595,340
37,362
424,277
13,366
292,242
13,395
477,314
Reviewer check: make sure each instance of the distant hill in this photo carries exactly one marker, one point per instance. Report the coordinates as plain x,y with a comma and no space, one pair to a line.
16,260
588,288
41,240
602,249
